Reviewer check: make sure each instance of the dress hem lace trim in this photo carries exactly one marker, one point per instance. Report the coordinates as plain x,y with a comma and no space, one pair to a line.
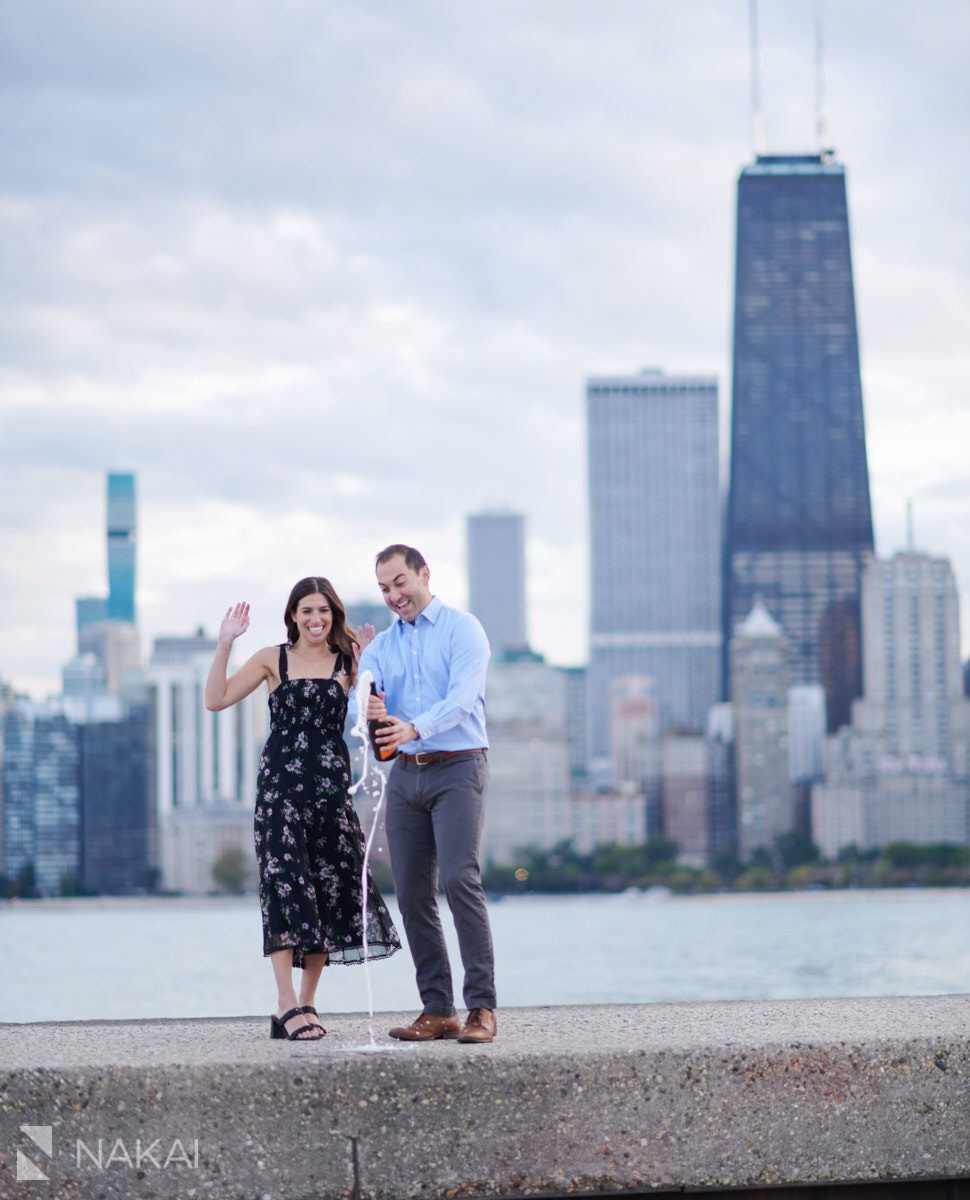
343,956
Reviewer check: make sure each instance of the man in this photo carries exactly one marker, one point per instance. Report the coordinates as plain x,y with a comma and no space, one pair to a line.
429,667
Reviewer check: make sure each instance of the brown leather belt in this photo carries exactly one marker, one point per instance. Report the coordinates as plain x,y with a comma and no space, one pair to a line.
425,760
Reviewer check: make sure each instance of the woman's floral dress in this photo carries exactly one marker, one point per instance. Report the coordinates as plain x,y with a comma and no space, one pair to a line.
309,841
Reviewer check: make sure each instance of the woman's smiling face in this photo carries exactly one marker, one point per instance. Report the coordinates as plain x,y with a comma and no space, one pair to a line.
314,618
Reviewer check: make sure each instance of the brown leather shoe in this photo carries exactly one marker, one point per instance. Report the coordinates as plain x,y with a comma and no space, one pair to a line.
426,1028
481,1026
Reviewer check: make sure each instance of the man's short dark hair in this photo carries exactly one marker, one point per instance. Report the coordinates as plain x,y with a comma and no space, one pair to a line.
413,559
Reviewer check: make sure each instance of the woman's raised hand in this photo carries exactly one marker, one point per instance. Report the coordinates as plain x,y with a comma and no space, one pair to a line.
234,623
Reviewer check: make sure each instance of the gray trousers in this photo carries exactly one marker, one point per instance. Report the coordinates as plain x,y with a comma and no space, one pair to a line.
435,816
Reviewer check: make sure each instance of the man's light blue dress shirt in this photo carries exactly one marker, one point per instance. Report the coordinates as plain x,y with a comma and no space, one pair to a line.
433,674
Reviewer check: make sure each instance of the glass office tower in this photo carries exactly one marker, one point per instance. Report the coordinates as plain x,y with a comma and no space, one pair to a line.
799,523
40,815
121,548
118,813
654,540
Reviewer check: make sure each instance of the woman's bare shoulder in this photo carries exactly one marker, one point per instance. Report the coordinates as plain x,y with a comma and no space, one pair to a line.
268,658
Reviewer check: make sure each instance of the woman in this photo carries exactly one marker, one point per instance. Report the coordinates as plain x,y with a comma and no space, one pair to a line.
308,839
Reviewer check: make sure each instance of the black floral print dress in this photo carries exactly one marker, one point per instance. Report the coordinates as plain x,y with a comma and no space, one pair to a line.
309,841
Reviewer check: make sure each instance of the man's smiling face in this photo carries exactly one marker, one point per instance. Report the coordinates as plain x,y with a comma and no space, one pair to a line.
406,592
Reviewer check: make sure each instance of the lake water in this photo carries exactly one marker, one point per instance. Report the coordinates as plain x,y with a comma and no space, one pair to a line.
91,959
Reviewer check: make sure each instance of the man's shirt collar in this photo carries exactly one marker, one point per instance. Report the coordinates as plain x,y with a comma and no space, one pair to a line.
431,611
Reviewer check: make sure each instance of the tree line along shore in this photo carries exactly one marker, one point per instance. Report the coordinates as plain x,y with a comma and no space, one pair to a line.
793,864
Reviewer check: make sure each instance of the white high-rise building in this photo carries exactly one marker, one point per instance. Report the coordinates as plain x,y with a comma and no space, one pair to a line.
901,770
528,801
655,544
206,765
759,700
496,578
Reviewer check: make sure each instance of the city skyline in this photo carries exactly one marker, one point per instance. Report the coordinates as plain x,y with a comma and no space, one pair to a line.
504,207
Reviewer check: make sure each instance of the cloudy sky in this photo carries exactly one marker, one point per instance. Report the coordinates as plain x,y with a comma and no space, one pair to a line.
332,274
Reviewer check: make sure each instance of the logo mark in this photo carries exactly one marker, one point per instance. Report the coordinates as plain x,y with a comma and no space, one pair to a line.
43,1138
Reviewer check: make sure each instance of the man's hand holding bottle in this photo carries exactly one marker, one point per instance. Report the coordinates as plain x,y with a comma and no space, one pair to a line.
386,733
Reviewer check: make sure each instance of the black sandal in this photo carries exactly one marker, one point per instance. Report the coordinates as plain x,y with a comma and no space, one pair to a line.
308,1008
277,1027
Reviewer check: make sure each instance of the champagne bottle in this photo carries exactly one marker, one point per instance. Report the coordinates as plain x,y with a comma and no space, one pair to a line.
381,753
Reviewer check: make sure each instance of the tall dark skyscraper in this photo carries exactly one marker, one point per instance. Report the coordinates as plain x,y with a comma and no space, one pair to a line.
799,523
121,548
118,813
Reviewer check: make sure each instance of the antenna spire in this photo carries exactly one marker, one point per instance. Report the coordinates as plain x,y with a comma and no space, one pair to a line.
820,124
757,112
909,526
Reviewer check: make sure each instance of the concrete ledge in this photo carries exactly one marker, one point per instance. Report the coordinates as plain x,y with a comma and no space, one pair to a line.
567,1100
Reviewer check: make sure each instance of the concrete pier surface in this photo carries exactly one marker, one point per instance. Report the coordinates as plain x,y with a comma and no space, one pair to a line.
597,1101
